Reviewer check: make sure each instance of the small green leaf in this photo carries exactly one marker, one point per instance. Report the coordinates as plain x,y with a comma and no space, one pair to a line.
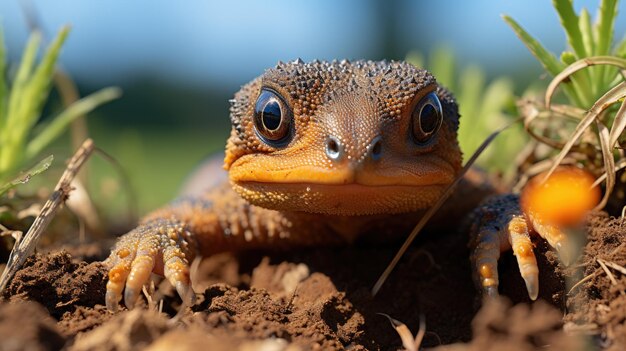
567,57
26,176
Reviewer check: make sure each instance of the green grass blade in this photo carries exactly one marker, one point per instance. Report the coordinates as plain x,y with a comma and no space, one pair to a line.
60,123
594,74
21,79
549,61
3,83
39,86
569,22
12,139
604,38
26,176
586,30
604,27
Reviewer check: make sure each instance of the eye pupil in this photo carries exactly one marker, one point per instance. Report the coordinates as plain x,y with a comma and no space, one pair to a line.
272,115
272,118
428,119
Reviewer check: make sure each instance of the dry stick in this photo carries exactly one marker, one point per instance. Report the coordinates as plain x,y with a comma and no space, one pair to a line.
590,276
27,245
598,270
609,274
431,211
615,266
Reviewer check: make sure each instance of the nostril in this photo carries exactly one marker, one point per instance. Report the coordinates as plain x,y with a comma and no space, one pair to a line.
377,148
333,148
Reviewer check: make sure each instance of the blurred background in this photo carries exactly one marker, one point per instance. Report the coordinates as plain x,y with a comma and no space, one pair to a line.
179,64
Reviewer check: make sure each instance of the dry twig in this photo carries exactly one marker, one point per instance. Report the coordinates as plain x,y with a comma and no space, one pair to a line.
61,192
609,274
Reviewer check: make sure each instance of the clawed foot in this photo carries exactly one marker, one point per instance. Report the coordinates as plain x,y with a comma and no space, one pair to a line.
500,225
159,246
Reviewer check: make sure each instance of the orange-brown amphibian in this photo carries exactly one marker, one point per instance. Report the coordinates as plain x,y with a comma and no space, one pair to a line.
320,153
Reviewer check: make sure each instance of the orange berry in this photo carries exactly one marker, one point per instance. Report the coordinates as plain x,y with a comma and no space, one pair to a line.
563,199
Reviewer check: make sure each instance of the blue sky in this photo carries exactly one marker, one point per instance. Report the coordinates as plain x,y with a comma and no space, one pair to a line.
227,43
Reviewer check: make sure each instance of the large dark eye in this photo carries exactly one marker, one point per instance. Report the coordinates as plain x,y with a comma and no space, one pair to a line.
272,118
426,118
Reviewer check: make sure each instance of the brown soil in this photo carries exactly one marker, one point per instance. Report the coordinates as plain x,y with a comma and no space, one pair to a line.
598,305
320,299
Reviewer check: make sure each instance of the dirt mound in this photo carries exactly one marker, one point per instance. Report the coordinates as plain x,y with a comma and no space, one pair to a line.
58,283
320,299
597,302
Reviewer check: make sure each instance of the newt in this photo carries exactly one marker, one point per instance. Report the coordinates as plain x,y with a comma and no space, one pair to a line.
321,153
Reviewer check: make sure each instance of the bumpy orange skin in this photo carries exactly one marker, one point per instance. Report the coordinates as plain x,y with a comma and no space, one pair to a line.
355,103
563,199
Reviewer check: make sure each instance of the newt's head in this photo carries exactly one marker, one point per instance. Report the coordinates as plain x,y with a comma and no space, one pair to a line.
343,138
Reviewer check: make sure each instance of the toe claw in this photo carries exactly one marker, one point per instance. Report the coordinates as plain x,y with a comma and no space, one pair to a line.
112,300
186,293
130,297
532,286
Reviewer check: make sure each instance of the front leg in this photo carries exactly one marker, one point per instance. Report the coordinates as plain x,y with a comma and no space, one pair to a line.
167,240
499,225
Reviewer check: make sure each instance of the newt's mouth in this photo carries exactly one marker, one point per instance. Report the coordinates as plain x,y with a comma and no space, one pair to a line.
346,177
341,192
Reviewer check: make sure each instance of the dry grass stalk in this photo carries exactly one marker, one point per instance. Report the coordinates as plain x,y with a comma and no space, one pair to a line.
61,192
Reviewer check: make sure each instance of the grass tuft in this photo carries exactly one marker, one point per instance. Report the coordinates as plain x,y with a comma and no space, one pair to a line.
21,106
587,128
